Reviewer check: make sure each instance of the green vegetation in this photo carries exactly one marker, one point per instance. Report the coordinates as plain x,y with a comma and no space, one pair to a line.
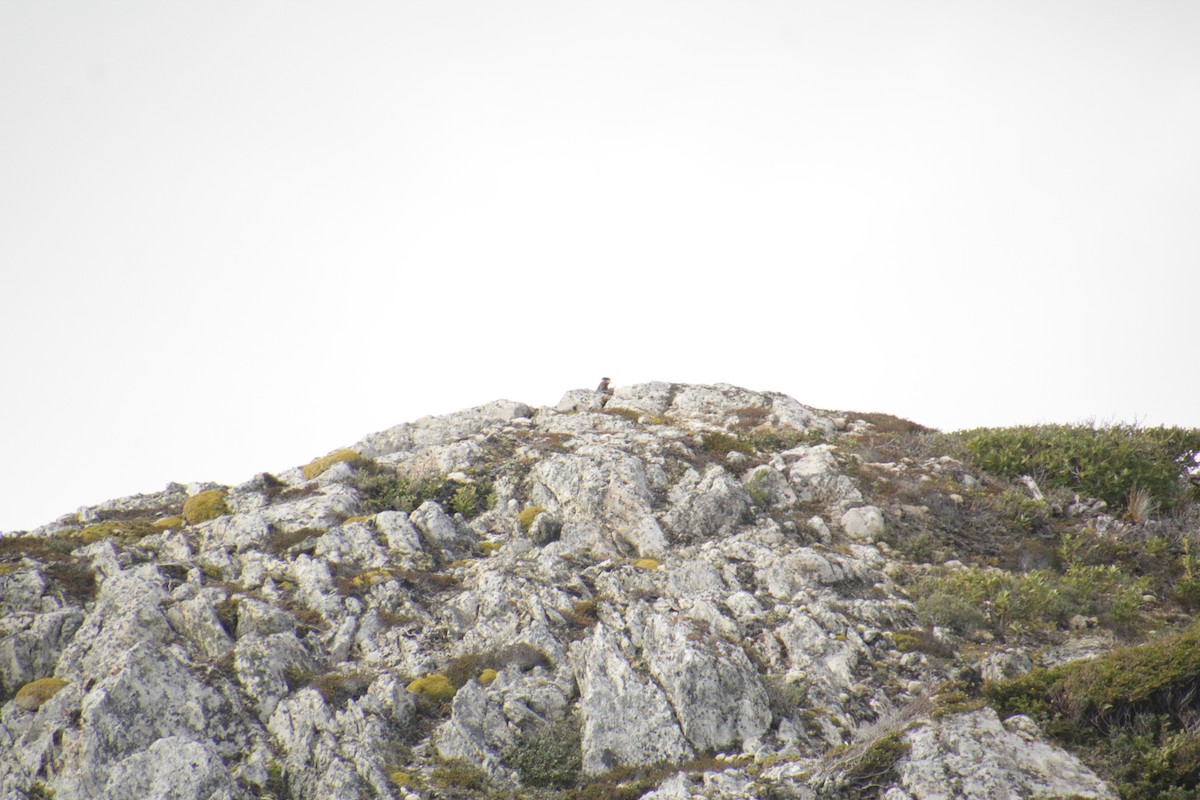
1008,602
1130,713
550,755
1104,462
205,506
383,489
722,444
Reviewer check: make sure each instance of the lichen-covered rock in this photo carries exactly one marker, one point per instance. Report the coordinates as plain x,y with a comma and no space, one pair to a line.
627,717
174,766
30,645
974,755
706,507
442,534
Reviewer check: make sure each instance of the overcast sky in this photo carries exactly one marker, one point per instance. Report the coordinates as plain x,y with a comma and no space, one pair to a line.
237,235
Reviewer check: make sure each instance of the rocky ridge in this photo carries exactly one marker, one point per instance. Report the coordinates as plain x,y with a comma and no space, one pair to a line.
666,591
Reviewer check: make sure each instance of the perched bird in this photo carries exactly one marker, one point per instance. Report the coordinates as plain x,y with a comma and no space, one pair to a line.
603,387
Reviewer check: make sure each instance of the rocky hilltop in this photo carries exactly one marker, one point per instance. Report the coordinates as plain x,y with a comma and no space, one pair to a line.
662,591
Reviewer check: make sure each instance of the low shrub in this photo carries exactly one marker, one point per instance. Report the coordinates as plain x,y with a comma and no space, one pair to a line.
1012,602
549,756
383,489
722,444
922,641
204,506
1129,713
1109,462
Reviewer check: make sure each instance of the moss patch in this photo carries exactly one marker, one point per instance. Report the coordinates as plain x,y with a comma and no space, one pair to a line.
526,517
318,465
205,506
31,696
436,687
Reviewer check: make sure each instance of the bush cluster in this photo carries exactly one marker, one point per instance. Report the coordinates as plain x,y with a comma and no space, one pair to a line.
383,489
1007,602
1129,713
1103,462
550,755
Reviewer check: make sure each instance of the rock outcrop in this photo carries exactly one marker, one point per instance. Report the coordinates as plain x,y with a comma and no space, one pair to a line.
505,597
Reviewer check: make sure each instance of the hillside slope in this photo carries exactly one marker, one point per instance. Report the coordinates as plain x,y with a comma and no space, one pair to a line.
667,591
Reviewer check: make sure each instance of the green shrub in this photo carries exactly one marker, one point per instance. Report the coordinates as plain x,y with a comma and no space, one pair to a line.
550,755
464,500
205,506
1038,599
382,489
1104,462
1129,713
947,610
722,444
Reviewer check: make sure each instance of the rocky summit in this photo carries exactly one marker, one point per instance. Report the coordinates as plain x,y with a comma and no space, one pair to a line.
659,591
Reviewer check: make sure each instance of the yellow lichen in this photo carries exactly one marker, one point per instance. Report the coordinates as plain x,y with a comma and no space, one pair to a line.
318,465
487,676
31,696
489,547
205,506
646,563
401,779
436,687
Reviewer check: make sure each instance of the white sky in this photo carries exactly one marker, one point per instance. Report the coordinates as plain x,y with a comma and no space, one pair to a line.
237,235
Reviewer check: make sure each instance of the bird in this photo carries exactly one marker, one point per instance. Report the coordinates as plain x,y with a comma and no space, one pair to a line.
603,387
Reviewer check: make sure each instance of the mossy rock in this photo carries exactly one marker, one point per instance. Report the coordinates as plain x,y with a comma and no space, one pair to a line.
318,465
526,517
487,676
31,696
350,520
118,529
489,547
205,506
401,778
169,523
646,563
436,687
